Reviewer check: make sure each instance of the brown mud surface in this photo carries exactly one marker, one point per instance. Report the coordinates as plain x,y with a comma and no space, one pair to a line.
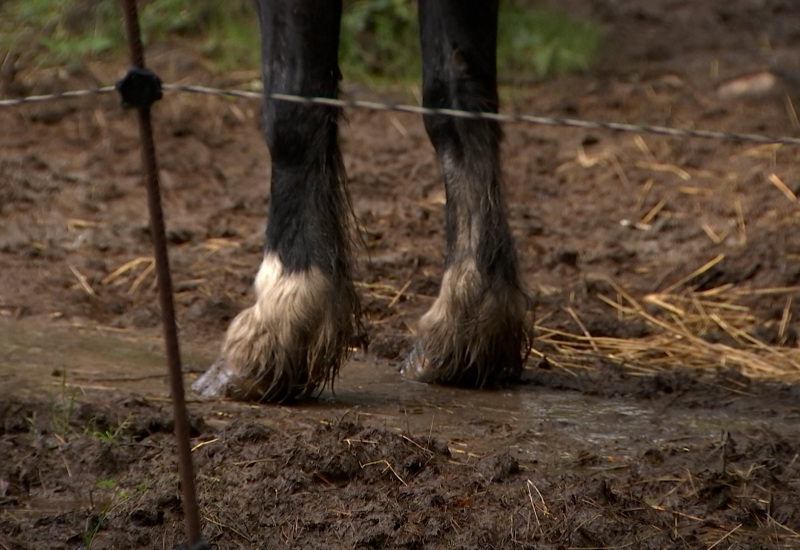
660,407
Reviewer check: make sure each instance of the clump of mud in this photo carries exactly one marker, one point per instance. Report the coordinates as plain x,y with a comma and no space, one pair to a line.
86,474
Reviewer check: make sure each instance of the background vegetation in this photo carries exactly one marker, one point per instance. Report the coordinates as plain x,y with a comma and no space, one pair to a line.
379,37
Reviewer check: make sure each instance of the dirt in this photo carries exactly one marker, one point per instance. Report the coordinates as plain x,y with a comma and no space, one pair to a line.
620,236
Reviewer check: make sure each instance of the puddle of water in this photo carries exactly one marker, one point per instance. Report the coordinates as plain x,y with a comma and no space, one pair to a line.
38,357
584,423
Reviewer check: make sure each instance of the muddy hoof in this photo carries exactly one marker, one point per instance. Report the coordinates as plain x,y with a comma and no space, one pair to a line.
465,372
254,383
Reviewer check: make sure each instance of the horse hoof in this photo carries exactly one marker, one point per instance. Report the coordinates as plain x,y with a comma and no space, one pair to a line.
415,367
216,381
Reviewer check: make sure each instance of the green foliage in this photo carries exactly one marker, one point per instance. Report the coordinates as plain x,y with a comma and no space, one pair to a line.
64,423
106,484
227,31
543,43
69,31
96,523
64,30
62,408
112,433
379,38
380,41
119,498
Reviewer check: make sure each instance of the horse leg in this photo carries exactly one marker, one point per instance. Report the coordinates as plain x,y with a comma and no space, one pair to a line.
294,338
476,332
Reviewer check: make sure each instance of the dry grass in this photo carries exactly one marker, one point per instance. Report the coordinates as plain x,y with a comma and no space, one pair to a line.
680,323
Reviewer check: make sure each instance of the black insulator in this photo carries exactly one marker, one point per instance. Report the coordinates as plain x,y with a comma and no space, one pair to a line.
139,88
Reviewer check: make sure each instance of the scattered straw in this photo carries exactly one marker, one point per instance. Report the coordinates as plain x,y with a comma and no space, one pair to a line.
791,111
530,484
725,536
766,151
350,441
82,281
204,443
583,327
695,191
388,293
785,317
740,222
400,293
401,129
123,269
653,212
668,168
76,223
388,467
142,276
678,323
782,187
212,246
696,273
639,141
420,447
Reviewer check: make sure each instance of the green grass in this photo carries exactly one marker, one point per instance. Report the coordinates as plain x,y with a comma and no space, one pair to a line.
119,499
379,43
62,407
111,434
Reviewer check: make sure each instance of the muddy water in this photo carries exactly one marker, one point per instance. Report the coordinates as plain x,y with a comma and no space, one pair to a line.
36,358
524,418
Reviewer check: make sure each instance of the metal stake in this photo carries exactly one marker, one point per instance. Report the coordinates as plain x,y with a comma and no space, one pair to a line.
185,469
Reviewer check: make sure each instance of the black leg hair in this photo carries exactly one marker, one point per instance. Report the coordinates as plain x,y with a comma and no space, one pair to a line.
294,339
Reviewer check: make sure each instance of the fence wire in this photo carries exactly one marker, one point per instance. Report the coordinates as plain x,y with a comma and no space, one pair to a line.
17,101
428,111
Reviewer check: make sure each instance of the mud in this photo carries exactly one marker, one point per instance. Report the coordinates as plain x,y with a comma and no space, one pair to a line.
630,241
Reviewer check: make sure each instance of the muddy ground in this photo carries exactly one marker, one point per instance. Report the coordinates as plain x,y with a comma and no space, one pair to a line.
660,405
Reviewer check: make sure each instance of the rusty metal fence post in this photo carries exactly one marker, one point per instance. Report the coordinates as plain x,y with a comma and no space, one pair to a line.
140,88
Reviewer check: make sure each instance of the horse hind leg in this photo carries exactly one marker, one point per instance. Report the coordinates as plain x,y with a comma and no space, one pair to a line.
477,331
